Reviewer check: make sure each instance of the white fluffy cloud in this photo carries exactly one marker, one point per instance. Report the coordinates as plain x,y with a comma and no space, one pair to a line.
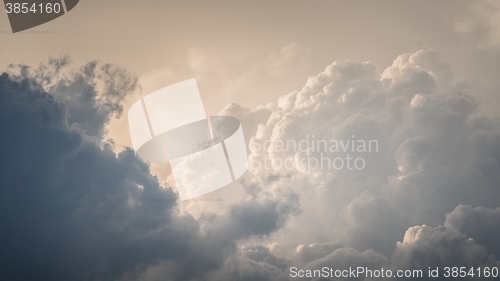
435,151
425,247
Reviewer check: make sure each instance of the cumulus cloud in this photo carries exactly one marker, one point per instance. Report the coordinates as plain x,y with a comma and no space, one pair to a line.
73,209
435,151
308,253
253,262
93,93
479,223
83,212
424,247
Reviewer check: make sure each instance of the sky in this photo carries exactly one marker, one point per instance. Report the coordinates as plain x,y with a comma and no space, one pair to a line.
419,79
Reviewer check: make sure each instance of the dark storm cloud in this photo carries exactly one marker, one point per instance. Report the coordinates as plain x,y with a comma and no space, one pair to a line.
92,93
72,209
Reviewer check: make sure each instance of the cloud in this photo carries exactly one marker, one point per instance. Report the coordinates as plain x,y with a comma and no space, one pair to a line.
424,247
77,210
289,56
253,262
479,223
93,93
435,151
117,128
228,77
251,119
482,23
308,253
73,209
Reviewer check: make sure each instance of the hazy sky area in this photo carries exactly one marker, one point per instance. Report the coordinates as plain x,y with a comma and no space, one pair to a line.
418,78
252,52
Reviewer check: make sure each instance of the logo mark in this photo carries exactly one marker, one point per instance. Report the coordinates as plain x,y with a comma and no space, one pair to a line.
205,153
25,14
